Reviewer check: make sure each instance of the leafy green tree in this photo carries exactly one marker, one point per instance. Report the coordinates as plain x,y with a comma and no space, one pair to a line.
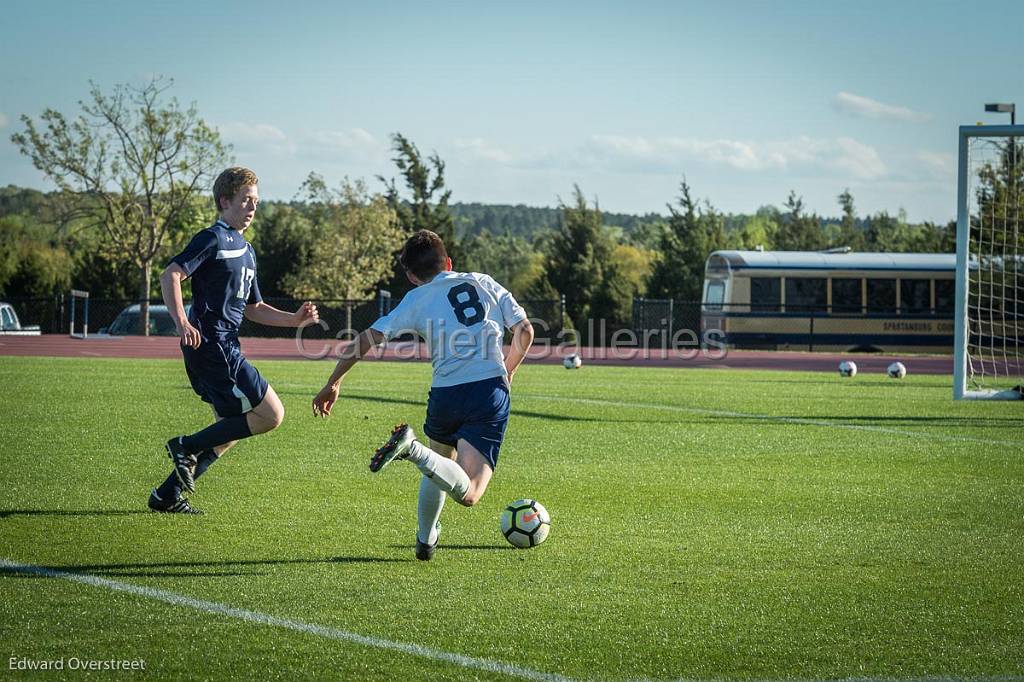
426,209
576,258
758,230
799,231
511,260
625,277
132,164
999,195
849,234
283,239
31,265
885,233
691,236
931,238
355,237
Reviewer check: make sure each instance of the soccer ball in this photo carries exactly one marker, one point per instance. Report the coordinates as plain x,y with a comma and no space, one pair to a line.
847,368
897,370
572,362
525,523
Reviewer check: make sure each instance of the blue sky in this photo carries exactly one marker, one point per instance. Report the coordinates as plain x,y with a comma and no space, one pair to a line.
747,100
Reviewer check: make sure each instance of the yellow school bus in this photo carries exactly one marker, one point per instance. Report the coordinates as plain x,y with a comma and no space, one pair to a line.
833,300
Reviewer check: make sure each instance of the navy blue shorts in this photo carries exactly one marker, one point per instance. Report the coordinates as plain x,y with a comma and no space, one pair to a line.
221,376
476,412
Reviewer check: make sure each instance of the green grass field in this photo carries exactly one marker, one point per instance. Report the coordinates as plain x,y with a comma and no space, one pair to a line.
706,524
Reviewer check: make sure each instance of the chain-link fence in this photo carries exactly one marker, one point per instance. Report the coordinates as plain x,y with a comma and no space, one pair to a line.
122,317
547,316
794,327
47,312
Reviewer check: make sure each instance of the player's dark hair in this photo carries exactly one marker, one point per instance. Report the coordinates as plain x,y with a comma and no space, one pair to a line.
423,255
230,181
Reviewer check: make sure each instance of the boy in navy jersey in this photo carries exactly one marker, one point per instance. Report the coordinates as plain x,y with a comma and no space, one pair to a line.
222,267
463,317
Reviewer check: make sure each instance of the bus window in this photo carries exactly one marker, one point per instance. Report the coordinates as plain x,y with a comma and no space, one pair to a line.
945,296
715,295
765,293
915,296
881,296
804,294
846,296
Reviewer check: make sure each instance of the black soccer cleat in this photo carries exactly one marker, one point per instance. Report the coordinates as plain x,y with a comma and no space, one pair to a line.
179,506
425,552
397,447
184,463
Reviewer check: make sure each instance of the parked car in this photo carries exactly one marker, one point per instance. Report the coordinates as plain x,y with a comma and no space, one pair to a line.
129,321
11,326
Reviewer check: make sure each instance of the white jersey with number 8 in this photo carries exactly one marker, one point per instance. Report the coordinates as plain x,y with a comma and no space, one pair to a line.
462,316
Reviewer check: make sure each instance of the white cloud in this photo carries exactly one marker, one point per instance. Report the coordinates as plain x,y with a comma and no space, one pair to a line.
858,159
865,107
480,150
4,120
249,137
347,141
314,145
665,151
939,164
842,156
252,132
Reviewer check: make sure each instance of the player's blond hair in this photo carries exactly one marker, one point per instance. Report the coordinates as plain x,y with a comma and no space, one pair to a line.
230,181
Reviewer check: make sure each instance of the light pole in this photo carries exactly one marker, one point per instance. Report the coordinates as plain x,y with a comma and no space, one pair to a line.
1010,109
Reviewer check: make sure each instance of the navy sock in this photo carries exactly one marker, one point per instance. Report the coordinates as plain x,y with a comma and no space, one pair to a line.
205,459
170,489
224,431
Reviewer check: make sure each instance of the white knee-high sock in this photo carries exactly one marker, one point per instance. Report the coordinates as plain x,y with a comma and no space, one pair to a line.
445,473
428,510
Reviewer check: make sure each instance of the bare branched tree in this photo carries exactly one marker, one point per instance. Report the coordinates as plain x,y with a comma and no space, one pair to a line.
133,164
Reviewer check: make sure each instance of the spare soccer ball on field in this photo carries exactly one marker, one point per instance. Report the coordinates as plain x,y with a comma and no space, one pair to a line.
525,523
572,362
897,370
847,368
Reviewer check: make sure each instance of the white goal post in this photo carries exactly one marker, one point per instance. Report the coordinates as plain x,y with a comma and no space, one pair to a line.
988,361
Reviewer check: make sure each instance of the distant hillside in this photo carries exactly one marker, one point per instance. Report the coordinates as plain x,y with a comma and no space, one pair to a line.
528,221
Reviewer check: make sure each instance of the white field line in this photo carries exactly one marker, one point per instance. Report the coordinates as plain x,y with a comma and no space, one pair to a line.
296,625
770,418
744,415
936,678
485,664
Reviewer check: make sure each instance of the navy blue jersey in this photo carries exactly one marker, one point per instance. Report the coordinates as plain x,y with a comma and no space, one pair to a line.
222,266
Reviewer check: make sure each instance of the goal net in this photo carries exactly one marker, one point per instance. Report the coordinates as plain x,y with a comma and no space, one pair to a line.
989,333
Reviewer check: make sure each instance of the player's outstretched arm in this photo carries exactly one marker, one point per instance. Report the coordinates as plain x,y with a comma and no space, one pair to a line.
170,289
522,339
353,353
263,313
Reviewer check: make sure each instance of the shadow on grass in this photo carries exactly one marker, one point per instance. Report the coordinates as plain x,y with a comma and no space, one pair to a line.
980,422
146,569
4,513
516,412
479,548
145,574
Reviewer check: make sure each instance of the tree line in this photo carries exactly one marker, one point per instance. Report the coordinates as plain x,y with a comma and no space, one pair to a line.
132,173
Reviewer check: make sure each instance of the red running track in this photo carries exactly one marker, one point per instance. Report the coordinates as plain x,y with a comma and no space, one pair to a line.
162,347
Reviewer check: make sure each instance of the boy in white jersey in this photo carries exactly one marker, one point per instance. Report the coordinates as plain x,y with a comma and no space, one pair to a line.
463,317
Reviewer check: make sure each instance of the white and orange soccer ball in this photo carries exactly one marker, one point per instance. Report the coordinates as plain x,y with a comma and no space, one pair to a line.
897,370
525,523
847,368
